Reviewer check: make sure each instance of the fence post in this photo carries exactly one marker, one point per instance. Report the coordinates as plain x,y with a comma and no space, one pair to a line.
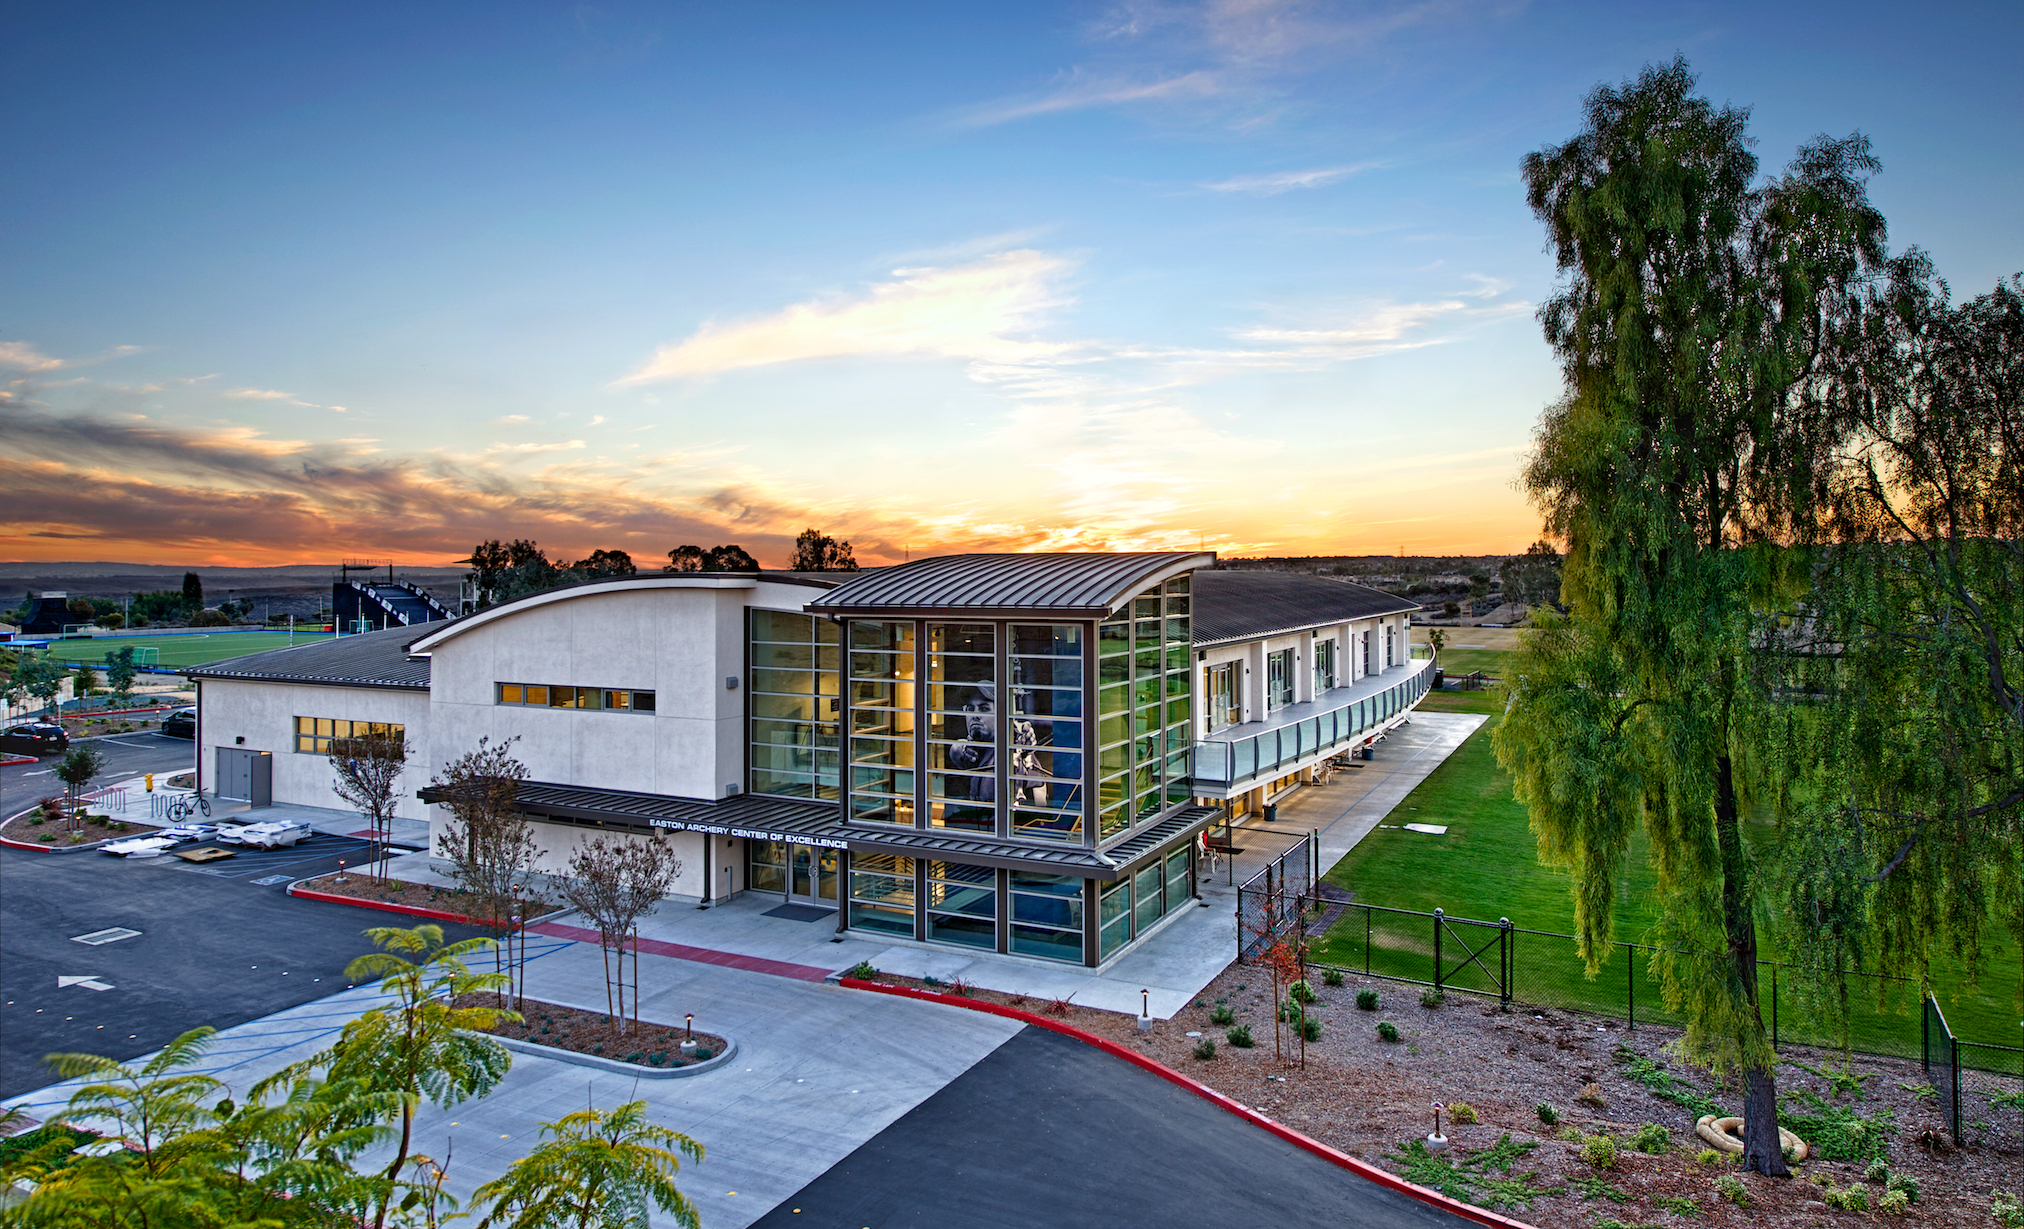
1954,1060
1366,940
1630,981
1439,915
1505,937
1774,1004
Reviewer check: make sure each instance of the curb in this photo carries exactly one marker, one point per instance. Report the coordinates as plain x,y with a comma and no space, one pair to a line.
613,1065
1362,1169
434,915
19,759
10,843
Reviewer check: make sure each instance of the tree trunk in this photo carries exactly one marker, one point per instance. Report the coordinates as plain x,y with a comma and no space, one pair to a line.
1761,1150
400,1159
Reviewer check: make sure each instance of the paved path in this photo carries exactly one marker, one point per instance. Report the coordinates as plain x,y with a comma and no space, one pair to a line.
1050,1131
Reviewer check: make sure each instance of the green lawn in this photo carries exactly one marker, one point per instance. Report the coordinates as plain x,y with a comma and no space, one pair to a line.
183,649
1486,867
1465,661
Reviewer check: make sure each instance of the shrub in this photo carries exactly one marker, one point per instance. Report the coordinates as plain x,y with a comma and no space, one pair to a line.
1387,1031
1591,1094
1894,1202
1878,1171
1851,1198
1432,997
2007,1209
1222,1015
1730,1187
1462,1113
1653,1139
863,970
1903,1184
1547,1114
1331,977
703,1052
1205,1049
36,821
1677,1204
1301,992
1240,1037
1367,1000
958,986
1568,1135
1707,1156
1309,1027
1599,1151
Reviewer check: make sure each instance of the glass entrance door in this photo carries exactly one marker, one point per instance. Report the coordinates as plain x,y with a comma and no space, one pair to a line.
811,874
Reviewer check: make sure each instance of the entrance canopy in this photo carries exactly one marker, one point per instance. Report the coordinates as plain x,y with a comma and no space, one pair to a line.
747,815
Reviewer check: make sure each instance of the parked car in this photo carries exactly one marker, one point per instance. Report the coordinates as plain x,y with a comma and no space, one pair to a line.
181,724
274,835
137,847
35,738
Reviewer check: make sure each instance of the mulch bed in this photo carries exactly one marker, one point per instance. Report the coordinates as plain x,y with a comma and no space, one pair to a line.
400,892
33,829
1368,1098
591,1032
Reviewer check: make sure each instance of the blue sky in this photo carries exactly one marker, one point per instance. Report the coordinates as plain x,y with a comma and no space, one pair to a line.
282,282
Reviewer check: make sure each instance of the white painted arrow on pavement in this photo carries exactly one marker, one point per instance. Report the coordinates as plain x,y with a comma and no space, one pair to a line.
89,983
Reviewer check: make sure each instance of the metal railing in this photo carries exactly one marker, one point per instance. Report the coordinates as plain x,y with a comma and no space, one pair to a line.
1227,761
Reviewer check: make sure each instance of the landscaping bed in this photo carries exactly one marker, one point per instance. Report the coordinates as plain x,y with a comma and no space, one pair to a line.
1369,1098
37,828
391,891
591,1032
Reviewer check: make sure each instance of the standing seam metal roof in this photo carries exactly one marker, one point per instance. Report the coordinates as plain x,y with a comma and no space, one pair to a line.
1246,605
374,659
1079,582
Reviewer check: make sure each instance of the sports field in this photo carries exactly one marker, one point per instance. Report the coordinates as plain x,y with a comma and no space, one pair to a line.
1487,867
199,648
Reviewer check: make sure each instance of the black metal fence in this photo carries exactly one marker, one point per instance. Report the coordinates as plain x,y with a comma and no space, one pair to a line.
1514,965
1273,903
1980,1086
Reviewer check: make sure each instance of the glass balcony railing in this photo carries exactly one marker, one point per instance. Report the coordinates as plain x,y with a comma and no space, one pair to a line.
1302,732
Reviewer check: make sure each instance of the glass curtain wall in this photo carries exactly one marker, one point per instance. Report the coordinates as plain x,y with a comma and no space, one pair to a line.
1046,916
882,893
882,725
793,705
1046,731
963,905
962,683
1144,706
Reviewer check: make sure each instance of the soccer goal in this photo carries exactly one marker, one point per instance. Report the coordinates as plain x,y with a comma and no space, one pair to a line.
147,656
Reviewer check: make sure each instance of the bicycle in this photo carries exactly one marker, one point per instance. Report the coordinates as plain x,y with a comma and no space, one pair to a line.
188,806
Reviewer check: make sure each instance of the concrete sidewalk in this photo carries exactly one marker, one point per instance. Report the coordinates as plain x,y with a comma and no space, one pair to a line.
819,1070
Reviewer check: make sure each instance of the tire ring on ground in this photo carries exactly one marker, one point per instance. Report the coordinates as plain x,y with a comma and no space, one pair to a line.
1724,1133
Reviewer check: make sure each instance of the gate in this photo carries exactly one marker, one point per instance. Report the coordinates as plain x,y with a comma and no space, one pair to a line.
1273,904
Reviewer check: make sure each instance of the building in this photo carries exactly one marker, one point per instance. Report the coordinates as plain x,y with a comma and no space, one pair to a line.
1014,753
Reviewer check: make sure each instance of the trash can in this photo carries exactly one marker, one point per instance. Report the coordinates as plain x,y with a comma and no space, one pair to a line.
1271,812
1367,752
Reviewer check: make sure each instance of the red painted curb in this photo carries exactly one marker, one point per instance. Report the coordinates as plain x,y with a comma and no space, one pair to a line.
18,759
11,843
1362,1169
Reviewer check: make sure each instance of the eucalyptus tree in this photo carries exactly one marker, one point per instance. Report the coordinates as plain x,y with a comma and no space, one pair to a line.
1696,322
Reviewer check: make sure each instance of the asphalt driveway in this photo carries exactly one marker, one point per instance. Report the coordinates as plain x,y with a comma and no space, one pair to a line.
1046,1130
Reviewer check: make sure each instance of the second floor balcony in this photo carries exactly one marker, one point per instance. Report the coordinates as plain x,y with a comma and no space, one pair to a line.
1300,735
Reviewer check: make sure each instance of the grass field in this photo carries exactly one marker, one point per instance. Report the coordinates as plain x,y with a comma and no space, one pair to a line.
182,649
1487,867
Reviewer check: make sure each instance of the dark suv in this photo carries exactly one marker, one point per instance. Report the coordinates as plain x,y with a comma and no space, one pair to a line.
35,738
181,724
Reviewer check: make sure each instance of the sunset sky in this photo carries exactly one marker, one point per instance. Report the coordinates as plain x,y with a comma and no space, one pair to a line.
283,283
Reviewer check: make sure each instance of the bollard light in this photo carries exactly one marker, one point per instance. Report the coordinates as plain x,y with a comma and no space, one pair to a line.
689,1027
340,870
1437,1142
1145,1002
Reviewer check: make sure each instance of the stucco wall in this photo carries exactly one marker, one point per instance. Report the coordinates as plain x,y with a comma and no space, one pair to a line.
264,715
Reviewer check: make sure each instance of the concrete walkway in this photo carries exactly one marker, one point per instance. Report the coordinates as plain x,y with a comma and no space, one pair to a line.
819,1071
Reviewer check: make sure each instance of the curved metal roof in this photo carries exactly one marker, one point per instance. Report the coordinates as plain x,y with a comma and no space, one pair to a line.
374,659
1084,583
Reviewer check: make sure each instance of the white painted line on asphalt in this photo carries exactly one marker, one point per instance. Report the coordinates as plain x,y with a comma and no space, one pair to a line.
111,935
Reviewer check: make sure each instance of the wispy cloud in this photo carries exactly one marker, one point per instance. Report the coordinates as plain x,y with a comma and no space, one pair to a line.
25,357
1286,181
258,394
1078,92
509,419
985,310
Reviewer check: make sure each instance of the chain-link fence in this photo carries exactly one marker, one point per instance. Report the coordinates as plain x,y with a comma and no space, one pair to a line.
1273,903
1540,968
1980,1086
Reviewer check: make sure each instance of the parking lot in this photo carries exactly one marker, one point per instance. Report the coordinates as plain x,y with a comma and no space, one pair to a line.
218,944
126,756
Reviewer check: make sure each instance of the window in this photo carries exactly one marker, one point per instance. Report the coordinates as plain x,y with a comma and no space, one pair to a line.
793,705
1324,664
1144,655
1046,730
1220,685
963,905
1113,917
313,735
769,866
534,695
963,726
1278,680
1046,916
882,893
1389,659
882,716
